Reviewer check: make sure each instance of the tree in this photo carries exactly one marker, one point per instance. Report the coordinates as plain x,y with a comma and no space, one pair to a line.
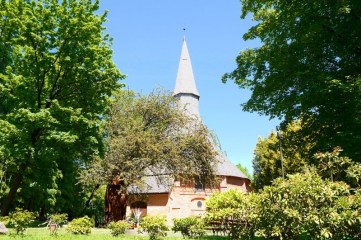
308,67
267,159
150,136
56,77
244,170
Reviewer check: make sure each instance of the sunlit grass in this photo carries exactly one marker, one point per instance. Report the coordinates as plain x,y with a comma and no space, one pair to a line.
96,234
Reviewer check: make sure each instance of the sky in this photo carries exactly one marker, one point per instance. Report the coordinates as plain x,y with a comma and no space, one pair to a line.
147,40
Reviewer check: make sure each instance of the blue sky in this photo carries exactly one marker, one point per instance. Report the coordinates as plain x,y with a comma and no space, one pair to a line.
147,46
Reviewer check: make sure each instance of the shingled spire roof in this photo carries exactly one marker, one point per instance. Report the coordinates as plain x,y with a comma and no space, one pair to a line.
186,91
185,83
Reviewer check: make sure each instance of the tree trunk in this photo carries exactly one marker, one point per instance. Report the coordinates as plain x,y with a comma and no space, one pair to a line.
42,213
6,204
115,203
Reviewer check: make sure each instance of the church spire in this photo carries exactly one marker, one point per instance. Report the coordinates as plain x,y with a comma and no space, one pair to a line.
185,86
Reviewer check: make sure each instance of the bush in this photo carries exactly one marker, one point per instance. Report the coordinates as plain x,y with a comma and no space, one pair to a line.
117,228
155,226
20,219
58,218
5,220
80,225
303,206
233,212
192,227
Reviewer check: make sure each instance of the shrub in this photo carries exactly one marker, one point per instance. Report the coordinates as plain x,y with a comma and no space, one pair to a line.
80,225
5,220
303,206
155,226
192,227
20,219
58,218
117,228
233,212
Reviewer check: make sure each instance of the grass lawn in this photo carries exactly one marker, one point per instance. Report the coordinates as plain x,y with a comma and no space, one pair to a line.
96,234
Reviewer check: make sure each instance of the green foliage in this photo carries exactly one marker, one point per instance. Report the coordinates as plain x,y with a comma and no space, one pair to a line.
20,219
95,208
58,218
354,175
335,167
303,206
192,227
244,170
267,158
233,212
80,225
117,228
331,165
306,206
56,78
307,67
155,226
5,220
149,133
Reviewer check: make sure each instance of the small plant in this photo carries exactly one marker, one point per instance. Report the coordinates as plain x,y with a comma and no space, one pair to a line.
137,213
55,221
117,228
58,218
192,227
5,220
20,219
80,225
155,226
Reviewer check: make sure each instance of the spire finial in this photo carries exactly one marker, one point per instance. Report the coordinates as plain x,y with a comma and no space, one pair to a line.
184,33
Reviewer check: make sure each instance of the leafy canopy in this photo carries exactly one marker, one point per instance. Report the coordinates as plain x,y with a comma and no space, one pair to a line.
151,135
308,66
56,77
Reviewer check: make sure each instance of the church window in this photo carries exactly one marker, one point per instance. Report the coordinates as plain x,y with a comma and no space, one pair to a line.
199,185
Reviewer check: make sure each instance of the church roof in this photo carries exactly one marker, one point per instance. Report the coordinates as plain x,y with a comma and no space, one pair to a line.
152,184
185,83
227,168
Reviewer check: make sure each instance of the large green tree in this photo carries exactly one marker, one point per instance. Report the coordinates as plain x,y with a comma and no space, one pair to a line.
151,136
308,66
56,76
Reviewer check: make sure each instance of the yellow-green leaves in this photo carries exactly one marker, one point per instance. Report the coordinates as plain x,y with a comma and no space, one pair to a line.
302,206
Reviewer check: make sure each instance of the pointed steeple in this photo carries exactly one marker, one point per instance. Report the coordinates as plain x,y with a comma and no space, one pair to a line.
185,86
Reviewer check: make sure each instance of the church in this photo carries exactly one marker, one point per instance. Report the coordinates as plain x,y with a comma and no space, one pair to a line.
183,198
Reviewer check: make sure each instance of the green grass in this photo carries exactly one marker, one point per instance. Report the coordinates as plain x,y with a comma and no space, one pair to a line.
96,234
